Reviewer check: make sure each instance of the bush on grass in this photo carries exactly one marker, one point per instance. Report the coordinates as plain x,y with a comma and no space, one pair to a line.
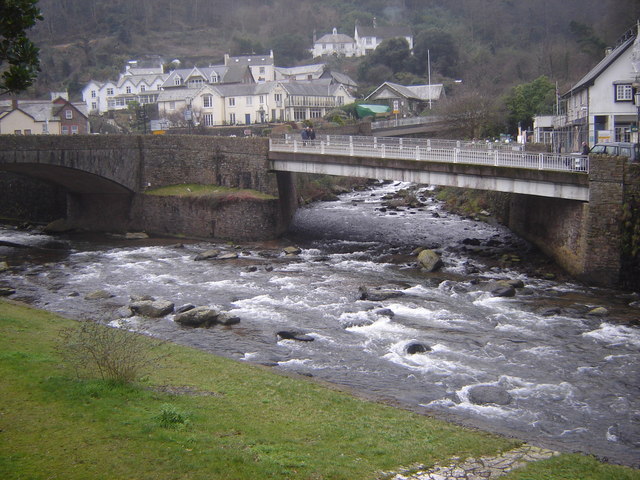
95,350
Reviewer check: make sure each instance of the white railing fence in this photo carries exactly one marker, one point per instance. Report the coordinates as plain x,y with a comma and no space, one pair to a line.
431,150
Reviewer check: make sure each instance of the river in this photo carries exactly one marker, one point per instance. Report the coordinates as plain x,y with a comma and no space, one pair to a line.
560,377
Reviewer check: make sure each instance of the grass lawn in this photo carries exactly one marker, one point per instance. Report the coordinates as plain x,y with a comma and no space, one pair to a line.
203,417
197,190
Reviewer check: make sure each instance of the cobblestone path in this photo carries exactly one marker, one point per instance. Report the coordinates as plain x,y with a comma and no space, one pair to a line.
483,468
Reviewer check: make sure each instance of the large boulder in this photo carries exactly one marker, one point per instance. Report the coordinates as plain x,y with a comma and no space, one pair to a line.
430,260
489,394
198,317
207,255
152,308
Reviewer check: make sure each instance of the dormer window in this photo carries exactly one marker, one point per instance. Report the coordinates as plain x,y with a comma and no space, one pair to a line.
214,79
143,88
128,89
177,81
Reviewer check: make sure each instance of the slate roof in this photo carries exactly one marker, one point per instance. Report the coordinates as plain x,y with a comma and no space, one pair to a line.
317,88
335,38
416,92
590,78
248,60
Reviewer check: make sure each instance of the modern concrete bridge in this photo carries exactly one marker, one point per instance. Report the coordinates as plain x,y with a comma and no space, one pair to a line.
482,166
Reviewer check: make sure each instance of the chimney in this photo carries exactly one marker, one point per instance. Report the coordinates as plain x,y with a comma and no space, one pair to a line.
14,102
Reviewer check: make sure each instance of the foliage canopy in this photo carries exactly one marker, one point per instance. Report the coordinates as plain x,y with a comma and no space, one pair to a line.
19,60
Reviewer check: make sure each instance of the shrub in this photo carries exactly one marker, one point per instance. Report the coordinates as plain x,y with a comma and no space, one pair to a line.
95,350
171,417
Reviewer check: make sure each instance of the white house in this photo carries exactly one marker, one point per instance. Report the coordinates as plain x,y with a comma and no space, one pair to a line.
334,44
600,106
369,38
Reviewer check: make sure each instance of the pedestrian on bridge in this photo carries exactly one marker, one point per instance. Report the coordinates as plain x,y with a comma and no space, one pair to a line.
305,136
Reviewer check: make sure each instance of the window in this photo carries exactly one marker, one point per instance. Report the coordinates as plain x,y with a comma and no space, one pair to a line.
93,94
207,101
109,91
214,79
261,99
94,106
624,93
278,99
143,88
17,132
299,114
68,114
315,113
207,119
340,100
128,90
27,131
232,103
177,81
65,130
262,70
249,100
232,118
74,129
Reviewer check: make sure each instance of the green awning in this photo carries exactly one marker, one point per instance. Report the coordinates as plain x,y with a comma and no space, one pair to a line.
371,110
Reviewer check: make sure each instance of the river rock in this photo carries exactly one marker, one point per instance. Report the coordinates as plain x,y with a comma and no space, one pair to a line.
124,312
227,256
501,288
227,319
295,335
185,308
152,308
378,294
417,347
98,295
4,266
292,250
429,260
207,255
198,317
487,394
598,312
6,291
141,298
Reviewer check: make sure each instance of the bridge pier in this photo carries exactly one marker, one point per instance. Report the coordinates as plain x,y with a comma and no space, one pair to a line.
583,238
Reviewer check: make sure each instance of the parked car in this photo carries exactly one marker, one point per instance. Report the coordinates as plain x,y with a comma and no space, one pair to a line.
618,149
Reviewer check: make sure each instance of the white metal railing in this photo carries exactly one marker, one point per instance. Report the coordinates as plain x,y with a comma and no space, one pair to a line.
444,151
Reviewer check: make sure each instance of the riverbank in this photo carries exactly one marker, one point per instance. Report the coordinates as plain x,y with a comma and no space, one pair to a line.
55,426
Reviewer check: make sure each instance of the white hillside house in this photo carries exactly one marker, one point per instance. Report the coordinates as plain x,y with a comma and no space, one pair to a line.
334,44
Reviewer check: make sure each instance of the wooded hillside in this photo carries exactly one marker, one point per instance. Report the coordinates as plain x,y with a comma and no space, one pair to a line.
490,45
